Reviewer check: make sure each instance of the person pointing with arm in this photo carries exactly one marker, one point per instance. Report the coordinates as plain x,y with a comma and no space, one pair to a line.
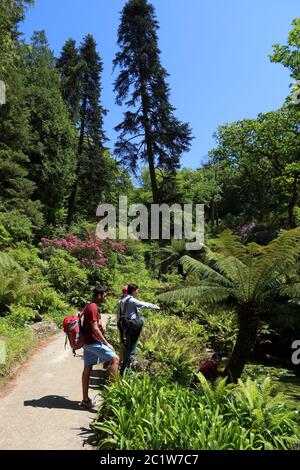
130,323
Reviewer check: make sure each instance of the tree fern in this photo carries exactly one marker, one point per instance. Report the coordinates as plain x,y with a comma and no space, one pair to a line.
250,274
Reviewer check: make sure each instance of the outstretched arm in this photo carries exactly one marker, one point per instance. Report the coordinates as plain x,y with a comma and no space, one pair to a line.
140,304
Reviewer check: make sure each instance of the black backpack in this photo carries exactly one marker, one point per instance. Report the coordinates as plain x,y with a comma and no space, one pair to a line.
131,326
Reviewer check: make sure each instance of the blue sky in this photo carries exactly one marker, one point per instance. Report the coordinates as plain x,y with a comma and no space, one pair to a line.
216,52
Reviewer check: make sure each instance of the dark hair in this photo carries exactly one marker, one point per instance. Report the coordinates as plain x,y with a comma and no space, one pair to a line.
100,290
131,288
216,356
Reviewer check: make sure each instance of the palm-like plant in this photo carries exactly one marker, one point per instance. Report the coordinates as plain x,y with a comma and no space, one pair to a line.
249,275
168,257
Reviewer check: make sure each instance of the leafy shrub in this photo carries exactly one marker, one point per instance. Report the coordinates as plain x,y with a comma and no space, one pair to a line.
20,315
46,299
171,347
14,289
9,266
66,276
221,328
91,252
142,413
18,226
29,259
5,238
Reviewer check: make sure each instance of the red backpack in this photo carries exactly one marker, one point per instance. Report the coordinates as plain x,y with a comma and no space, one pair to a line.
73,329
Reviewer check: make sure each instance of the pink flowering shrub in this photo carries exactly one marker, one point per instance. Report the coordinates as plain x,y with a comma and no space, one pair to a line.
91,252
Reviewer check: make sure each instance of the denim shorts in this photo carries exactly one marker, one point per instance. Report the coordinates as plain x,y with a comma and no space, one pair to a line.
97,352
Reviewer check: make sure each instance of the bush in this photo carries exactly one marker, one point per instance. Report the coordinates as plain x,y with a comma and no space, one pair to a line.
91,252
29,259
21,316
221,327
5,238
18,226
67,277
142,413
171,347
46,299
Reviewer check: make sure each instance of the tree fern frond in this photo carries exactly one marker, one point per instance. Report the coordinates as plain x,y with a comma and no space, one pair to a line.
204,271
290,290
275,259
206,294
230,245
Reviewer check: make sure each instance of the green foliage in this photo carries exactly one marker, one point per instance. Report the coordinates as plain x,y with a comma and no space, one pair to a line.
20,316
141,413
18,226
246,273
171,347
53,138
256,162
28,257
14,285
249,275
5,238
18,341
288,55
150,131
67,277
81,71
47,300
221,328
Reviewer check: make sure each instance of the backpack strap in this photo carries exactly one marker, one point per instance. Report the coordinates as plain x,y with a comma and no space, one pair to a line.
82,313
66,341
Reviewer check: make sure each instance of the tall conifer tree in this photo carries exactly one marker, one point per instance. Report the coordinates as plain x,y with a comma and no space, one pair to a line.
150,131
81,75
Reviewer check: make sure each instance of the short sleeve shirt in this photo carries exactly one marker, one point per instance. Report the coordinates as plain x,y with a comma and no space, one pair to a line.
91,314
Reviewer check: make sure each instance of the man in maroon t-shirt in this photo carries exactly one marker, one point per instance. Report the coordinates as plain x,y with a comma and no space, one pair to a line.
96,348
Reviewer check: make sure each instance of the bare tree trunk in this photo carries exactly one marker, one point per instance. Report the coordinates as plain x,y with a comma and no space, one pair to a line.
246,339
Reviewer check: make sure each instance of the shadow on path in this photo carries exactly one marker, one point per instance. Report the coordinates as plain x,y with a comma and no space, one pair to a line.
55,401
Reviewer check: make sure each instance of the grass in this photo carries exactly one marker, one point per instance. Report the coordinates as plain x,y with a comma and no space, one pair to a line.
147,413
19,342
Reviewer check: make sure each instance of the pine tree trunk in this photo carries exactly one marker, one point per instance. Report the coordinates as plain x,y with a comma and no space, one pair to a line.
246,339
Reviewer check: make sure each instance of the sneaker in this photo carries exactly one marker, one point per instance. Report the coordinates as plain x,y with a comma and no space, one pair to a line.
87,405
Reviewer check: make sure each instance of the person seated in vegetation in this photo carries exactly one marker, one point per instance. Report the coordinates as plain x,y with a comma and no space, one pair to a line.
210,368
97,348
130,323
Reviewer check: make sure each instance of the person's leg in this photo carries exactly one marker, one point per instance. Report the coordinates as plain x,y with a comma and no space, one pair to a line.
113,368
85,383
133,350
105,354
130,350
126,356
